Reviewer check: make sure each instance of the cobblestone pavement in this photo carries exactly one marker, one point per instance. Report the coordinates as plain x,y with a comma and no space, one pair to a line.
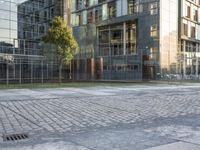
76,110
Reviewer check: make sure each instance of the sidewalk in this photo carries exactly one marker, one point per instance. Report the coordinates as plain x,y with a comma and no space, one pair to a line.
110,118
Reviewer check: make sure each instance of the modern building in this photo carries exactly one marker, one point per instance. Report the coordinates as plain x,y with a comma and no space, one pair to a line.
189,37
135,39
118,39
23,23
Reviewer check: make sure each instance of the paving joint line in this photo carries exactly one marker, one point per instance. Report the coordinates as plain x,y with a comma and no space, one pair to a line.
22,116
186,141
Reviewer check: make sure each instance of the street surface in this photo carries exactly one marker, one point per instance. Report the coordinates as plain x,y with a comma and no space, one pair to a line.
134,117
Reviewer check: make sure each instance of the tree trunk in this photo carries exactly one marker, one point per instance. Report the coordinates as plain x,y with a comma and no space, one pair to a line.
60,73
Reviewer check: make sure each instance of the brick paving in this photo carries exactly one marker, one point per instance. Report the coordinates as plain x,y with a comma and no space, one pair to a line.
83,109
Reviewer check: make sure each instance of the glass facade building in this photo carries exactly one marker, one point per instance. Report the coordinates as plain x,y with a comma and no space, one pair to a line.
189,37
168,35
135,39
23,23
118,39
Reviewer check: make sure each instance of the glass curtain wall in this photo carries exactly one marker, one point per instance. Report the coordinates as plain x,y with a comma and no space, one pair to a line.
22,25
168,35
117,48
190,35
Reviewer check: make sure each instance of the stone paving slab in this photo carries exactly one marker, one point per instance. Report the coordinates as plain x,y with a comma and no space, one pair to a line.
177,146
91,112
119,139
48,146
74,110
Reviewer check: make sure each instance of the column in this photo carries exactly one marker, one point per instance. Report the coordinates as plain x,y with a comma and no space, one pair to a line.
110,54
70,70
78,73
197,67
20,71
31,72
124,37
14,70
52,70
197,61
42,75
184,59
7,73
47,71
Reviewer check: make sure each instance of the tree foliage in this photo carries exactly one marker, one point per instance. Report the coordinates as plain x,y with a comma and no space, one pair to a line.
61,36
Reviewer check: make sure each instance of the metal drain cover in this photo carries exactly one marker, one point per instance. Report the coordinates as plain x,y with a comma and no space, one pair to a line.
14,137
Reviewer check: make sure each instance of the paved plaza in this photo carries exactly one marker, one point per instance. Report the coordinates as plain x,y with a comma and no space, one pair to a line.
132,117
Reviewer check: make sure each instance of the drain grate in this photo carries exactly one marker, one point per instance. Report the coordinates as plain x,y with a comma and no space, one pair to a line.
15,137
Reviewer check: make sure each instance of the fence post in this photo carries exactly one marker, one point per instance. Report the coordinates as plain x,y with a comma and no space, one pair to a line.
197,67
20,72
7,73
42,75
31,72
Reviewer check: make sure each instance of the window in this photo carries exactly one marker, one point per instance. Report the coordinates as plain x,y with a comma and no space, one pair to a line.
188,11
112,10
131,6
86,3
80,19
104,41
185,29
193,32
153,53
41,29
136,67
153,8
52,13
41,4
101,1
116,40
37,17
190,46
51,2
45,15
131,67
98,14
131,38
90,16
154,30
195,15
78,4
105,67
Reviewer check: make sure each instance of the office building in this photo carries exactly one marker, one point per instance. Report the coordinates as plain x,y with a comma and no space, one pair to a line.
135,39
23,23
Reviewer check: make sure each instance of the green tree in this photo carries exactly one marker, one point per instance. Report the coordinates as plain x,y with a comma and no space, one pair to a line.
61,37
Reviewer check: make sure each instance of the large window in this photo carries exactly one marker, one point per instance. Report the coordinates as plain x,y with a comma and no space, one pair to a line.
185,29
79,4
153,8
98,14
154,53
52,13
154,30
188,10
115,41
104,42
131,38
193,32
112,10
80,20
131,6
195,14
90,16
